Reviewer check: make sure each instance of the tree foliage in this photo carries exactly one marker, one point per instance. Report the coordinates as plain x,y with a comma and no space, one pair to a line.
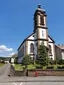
42,55
26,60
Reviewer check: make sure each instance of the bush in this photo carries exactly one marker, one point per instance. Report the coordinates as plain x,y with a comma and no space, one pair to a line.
60,62
38,67
50,67
26,60
52,62
36,61
60,67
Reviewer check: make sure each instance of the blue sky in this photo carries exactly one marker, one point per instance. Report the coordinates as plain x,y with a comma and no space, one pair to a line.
16,22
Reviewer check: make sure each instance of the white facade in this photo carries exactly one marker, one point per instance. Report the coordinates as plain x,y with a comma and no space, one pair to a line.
62,55
39,35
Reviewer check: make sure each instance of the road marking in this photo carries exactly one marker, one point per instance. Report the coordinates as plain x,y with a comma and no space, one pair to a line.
16,84
21,83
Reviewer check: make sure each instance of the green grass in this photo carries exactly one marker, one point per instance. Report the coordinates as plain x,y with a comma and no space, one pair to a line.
19,67
31,66
1,64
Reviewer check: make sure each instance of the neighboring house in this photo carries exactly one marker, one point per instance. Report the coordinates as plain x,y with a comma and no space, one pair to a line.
13,58
61,47
39,35
7,60
58,53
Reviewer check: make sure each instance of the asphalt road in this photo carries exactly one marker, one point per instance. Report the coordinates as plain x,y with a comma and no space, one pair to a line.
41,80
23,80
4,70
33,83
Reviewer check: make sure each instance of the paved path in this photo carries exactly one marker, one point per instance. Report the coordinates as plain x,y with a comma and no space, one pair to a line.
33,83
41,80
4,70
23,80
32,79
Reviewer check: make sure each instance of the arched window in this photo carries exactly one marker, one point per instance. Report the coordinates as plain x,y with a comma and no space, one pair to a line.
31,48
41,20
50,50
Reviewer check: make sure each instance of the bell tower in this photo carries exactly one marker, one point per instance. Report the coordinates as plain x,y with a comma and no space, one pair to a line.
40,26
40,18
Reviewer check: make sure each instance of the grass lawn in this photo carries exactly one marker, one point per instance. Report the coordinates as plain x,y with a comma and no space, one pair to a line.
1,64
31,66
19,67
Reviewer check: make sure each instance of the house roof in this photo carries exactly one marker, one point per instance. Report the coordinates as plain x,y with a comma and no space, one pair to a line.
61,46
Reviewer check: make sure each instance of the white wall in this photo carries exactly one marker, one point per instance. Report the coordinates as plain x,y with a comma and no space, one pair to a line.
44,33
62,55
20,60
49,40
31,37
19,53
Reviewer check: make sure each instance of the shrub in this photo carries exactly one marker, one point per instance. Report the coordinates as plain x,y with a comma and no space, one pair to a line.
60,62
26,60
50,67
60,67
38,67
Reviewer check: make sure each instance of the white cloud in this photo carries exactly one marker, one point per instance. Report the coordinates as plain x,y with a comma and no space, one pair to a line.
11,54
3,48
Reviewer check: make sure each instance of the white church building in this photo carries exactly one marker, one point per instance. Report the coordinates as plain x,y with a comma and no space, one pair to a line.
39,35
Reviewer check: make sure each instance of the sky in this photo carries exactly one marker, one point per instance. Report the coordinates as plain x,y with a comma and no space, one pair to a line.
16,22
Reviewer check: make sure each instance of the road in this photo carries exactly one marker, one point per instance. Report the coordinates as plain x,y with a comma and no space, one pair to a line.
23,80
41,80
4,70
33,83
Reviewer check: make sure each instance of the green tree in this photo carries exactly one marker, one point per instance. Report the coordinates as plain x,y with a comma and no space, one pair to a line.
15,60
26,60
42,55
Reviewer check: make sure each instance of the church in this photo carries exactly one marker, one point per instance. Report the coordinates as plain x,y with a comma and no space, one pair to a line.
39,35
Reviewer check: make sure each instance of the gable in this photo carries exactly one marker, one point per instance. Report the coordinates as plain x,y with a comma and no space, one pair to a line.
31,36
50,39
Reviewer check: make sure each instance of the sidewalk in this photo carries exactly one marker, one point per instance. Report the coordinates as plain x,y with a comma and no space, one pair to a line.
33,79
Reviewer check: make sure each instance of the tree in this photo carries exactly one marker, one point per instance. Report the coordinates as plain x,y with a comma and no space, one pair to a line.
42,55
16,60
26,60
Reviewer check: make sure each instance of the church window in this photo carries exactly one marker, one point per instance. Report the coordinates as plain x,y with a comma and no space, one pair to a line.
31,48
41,20
50,50
42,33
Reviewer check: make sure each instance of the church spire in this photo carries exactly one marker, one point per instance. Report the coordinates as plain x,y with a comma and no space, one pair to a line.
39,5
